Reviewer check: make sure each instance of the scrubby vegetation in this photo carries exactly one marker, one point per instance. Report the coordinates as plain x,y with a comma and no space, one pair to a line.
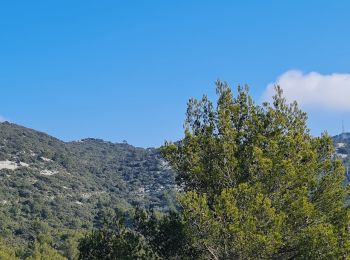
61,189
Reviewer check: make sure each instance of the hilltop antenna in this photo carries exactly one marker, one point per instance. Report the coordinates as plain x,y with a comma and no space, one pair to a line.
342,127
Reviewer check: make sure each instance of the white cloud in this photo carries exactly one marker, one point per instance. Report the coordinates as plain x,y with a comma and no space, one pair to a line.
331,92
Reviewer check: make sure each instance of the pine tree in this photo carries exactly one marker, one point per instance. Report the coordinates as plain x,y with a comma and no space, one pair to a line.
256,184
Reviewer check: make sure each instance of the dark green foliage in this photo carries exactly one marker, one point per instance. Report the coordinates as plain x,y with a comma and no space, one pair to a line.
115,241
148,235
165,234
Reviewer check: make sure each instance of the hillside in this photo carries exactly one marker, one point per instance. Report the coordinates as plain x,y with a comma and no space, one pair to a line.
342,146
48,185
64,185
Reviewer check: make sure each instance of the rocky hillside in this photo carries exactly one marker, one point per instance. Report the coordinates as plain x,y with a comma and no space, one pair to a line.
65,185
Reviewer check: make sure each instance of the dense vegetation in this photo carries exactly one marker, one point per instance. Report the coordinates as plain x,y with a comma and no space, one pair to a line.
61,189
257,184
252,183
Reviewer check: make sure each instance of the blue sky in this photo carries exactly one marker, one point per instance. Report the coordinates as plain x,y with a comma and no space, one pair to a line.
125,69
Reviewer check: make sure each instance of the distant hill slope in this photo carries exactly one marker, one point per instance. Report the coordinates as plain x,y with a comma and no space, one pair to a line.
342,146
46,183
64,185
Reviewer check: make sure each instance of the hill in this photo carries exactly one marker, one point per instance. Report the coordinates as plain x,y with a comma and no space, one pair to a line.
342,141
51,186
46,183
342,146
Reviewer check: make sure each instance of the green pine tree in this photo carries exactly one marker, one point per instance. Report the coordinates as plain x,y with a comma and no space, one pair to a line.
256,184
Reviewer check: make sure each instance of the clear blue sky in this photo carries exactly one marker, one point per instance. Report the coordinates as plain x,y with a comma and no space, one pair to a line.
125,69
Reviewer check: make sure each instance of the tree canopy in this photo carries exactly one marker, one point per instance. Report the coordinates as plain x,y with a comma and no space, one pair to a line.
256,184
